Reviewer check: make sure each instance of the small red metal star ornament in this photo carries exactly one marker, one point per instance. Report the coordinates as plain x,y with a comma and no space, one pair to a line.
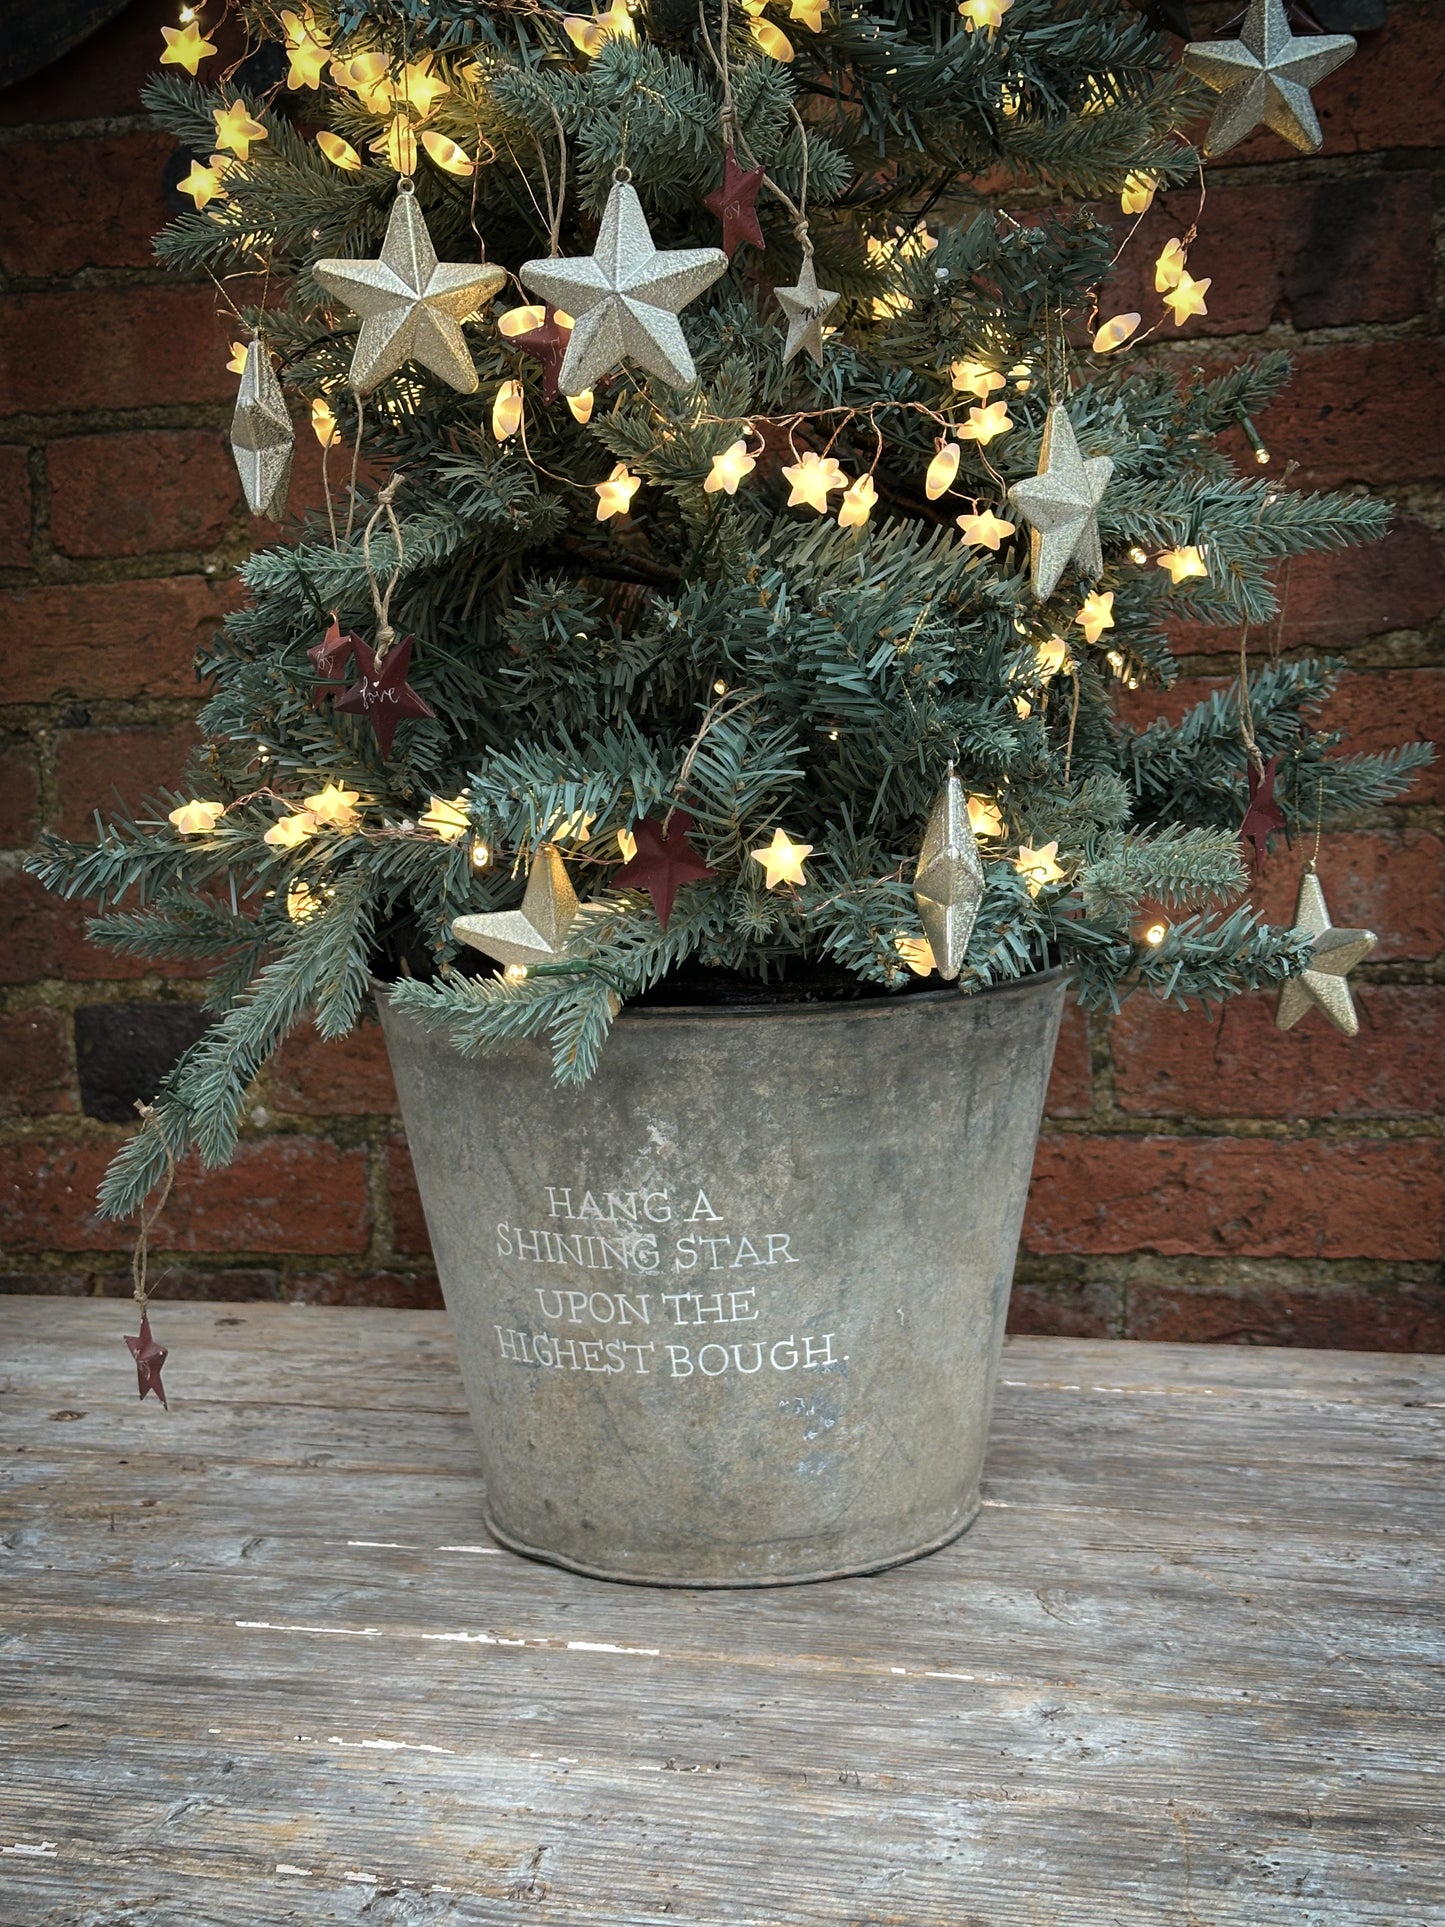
329,658
735,203
547,344
149,1357
382,691
665,860
1264,816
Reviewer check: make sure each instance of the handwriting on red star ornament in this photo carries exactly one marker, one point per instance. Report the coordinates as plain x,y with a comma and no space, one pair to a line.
383,693
1264,816
547,344
329,658
735,203
149,1357
665,860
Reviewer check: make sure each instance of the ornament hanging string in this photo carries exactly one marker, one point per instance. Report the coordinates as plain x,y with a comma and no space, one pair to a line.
381,598
732,130
150,1213
713,714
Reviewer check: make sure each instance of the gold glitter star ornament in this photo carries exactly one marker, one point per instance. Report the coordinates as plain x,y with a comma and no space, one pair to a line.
1322,984
262,438
948,883
411,305
625,297
1061,504
537,931
1265,76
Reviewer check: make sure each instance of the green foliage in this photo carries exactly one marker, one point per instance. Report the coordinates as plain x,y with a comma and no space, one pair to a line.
755,663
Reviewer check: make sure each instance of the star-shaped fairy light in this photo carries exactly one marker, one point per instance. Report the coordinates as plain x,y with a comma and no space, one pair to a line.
735,203
1097,614
986,424
1061,503
662,860
237,130
812,479
382,691
985,530
614,496
262,438
203,184
149,1358
1263,816
1334,953
1265,76
1186,297
411,305
625,297
1183,564
860,498
728,469
806,305
948,883
1039,867
186,47
537,931
782,859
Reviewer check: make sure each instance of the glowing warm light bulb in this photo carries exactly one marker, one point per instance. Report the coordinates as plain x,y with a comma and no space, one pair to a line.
447,155
858,503
574,828
808,13
1186,298
1156,933
368,77
812,478
420,86
290,831
507,410
398,145
187,46
1097,614
987,14
302,901
1138,555
782,859
481,854
1115,332
985,530
446,818
1021,375
1051,657
942,470
917,953
986,424
1038,868
334,808
237,363
627,844
340,153
1115,662
1137,194
236,130
719,688
521,321
773,41
614,496
1183,564
515,973
581,406
985,818
323,422
728,469
306,49
196,818
1169,266
975,378
203,184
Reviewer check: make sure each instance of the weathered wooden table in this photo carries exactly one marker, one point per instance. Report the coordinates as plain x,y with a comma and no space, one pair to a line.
259,1662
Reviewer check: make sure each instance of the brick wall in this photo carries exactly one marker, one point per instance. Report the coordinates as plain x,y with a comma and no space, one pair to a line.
1199,1177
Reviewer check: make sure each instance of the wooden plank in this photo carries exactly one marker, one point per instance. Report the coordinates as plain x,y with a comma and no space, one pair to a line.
1185,1668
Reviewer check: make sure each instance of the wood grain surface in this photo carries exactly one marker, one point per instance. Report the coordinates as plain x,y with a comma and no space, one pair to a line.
260,1664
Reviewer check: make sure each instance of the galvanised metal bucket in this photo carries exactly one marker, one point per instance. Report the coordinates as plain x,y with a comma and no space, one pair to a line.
730,1314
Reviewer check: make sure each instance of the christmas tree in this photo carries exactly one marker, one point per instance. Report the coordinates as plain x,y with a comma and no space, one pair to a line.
762,452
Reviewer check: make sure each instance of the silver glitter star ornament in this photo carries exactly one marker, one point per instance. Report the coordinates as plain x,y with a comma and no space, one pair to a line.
1321,984
1265,77
806,306
262,438
948,883
411,305
625,297
536,932
1060,504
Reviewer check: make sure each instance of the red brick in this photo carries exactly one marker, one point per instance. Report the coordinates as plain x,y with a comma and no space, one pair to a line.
35,1076
112,638
1071,1088
104,72
133,347
1390,884
281,1194
92,765
405,1290
1381,709
19,792
1360,413
43,936
14,504
1360,1318
408,1221
1234,1063
77,204
1317,254
140,494
1251,1197
1062,1311
219,1284
342,1077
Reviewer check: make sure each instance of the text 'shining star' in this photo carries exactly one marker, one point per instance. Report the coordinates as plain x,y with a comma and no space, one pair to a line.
1060,504
411,305
1334,953
806,306
1265,76
262,438
948,883
625,297
535,933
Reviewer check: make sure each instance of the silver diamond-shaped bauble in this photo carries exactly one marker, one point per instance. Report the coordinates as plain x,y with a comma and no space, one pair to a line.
948,883
1265,77
806,305
624,297
536,932
1334,953
262,438
1060,504
411,305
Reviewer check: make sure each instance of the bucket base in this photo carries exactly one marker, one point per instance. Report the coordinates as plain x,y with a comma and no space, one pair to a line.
880,1563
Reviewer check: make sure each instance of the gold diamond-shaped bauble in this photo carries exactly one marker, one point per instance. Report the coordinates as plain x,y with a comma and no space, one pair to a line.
1265,76
1060,504
948,883
262,438
807,306
535,933
624,297
1321,984
411,305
